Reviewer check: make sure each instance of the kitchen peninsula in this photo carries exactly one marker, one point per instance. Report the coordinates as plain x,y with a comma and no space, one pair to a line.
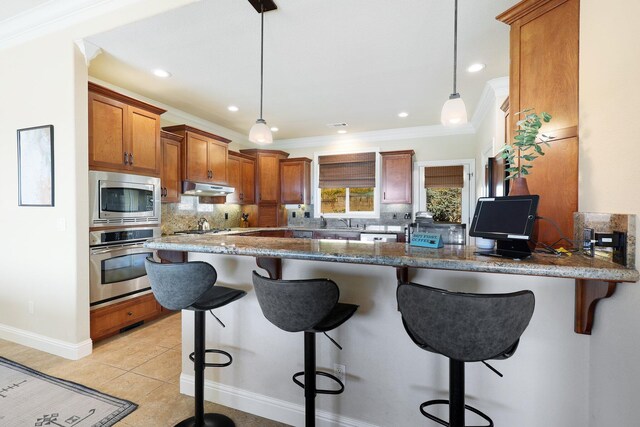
377,353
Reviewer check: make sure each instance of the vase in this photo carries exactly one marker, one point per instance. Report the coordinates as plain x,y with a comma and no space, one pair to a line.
519,187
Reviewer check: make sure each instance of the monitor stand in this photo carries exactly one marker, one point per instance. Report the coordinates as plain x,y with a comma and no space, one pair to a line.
513,249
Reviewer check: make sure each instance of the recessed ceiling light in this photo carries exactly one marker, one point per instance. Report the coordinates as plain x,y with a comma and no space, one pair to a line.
342,131
158,72
274,129
232,108
474,68
403,114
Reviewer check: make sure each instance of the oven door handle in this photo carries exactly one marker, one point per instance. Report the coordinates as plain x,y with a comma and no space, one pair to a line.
117,248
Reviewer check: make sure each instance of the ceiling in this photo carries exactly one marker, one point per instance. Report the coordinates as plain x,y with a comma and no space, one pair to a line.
11,8
326,61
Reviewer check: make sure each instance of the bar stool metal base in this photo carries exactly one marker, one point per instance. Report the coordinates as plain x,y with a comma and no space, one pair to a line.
210,420
446,402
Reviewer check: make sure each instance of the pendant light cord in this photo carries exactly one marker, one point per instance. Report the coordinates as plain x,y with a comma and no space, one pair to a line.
262,53
455,46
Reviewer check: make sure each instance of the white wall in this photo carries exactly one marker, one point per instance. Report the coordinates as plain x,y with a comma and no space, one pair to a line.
45,253
610,182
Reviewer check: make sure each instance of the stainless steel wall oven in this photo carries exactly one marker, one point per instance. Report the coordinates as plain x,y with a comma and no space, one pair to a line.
116,264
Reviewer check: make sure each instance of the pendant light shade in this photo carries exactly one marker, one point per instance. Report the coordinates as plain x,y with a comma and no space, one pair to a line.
260,132
454,112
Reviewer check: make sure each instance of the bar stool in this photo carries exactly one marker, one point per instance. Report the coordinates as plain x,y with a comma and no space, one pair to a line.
305,305
465,328
190,286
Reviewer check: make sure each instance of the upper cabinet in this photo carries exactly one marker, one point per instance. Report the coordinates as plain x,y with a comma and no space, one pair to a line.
295,181
204,155
171,179
241,173
544,51
124,133
267,174
397,173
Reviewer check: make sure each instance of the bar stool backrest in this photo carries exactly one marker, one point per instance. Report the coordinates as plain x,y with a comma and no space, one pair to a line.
295,305
463,326
178,286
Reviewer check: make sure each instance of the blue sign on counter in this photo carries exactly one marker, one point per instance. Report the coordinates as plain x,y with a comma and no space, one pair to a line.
427,240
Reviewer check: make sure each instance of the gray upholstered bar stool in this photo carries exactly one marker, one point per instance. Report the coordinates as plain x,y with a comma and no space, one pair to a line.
465,328
190,286
308,306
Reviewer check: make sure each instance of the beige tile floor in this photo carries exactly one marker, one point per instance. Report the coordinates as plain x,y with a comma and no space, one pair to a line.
142,365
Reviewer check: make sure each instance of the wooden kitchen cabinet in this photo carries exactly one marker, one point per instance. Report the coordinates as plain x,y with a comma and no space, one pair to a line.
544,48
124,133
295,181
267,174
241,174
204,155
170,181
397,176
109,320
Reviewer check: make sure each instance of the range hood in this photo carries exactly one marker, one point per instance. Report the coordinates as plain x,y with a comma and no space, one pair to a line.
201,189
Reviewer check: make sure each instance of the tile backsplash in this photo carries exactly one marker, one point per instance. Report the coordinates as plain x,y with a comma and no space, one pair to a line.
607,223
389,215
185,215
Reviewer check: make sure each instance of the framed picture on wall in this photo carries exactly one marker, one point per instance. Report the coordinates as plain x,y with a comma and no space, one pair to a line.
35,166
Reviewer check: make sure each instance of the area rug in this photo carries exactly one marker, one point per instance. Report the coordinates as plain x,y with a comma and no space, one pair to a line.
31,398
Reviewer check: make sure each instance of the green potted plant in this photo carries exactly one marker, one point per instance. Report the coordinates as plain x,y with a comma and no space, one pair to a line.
526,147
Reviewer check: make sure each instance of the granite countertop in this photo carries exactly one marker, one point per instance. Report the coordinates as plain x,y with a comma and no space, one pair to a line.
458,258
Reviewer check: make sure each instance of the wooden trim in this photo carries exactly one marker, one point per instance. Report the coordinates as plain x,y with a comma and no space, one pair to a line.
171,136
296,159
399,152
187,128
241,155
101,90
588,293
505,106
526,7
255,151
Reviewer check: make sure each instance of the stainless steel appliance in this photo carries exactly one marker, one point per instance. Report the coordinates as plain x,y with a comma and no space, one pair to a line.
116,264
123,199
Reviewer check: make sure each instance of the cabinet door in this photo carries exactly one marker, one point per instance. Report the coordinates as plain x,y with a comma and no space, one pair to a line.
108,133
196,162
268,216
269,184
396,178
171,170
293,183
145,156
235,179
218,153
248,173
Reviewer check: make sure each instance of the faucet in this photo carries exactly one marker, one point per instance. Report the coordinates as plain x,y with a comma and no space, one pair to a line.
203,224
323,222
347,221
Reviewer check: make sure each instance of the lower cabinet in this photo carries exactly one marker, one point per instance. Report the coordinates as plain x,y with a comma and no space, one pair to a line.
109,320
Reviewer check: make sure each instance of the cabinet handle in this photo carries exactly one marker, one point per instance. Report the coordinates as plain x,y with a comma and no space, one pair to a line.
126,161
301,197
131,159
384,195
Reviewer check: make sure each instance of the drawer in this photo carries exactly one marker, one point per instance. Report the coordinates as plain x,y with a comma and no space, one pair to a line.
109,320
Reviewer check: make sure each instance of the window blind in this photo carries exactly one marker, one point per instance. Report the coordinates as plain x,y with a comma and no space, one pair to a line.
347,170
444,177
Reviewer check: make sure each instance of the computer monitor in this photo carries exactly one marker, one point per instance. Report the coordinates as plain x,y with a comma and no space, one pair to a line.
508,220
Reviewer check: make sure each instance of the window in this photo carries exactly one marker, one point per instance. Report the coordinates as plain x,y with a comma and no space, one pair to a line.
446,189
347,184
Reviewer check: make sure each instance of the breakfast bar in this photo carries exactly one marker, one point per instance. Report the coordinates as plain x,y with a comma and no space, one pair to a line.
595,278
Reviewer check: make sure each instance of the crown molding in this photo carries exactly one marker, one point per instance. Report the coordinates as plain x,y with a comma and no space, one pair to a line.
378,135
494,90
88,50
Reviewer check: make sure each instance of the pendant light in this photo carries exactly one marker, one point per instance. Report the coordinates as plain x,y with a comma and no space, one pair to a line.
260,132
454,112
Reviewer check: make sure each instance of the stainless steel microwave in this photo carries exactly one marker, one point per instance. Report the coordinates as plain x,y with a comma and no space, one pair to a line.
123,199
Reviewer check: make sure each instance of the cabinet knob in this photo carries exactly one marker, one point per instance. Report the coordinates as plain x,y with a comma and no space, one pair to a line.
130,313
131,159
126,158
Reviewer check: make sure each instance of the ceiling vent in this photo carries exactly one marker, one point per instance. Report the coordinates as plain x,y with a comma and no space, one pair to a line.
337,125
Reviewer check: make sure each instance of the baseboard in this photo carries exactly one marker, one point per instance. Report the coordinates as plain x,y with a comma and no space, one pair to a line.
265,406
50,345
